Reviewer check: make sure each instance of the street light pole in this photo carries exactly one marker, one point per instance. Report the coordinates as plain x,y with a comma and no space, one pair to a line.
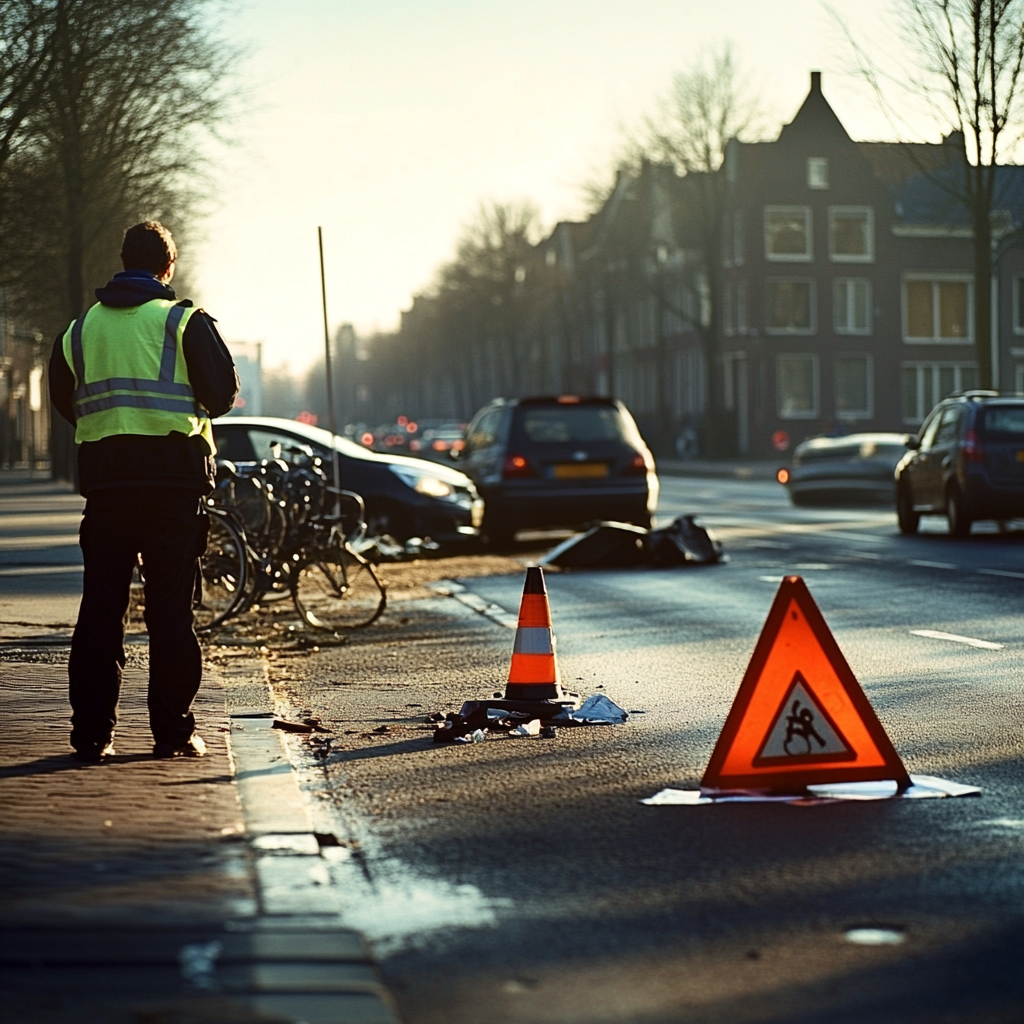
330,380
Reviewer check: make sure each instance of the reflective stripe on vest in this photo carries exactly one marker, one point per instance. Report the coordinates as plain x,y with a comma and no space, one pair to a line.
143,402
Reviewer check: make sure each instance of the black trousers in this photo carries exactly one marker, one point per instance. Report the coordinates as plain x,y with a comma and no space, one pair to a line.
168,527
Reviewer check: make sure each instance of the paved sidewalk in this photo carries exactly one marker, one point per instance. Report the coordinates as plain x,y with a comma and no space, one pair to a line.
131,838
137,891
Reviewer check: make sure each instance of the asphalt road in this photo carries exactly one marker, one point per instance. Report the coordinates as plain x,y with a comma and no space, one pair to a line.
522,880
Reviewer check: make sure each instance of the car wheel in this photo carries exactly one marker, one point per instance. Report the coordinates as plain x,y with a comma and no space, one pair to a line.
908,519
959,521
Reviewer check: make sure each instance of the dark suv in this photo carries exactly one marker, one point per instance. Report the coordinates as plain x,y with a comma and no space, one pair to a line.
558,462
967,462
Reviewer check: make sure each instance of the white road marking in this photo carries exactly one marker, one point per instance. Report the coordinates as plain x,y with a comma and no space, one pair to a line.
929,565
934,634
1003,572
40,570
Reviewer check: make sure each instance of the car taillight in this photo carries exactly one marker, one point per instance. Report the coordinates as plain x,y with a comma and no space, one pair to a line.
516,466
636,467
972,448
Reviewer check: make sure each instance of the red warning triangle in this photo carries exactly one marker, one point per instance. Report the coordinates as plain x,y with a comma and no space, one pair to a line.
800,716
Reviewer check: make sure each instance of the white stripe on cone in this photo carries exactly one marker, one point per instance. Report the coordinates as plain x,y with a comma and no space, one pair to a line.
534,640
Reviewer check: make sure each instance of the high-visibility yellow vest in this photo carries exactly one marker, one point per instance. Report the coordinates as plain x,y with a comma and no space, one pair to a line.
130,373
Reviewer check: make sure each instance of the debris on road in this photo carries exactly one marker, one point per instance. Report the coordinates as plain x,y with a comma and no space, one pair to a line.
534,699
619,545
285,726
921,787
530,728
598,710
526,718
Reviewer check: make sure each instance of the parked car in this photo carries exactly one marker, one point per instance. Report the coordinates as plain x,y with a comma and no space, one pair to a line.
558,462
857,467
405,497
966,462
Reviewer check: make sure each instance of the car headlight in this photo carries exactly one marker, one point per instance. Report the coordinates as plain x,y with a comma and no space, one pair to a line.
422,483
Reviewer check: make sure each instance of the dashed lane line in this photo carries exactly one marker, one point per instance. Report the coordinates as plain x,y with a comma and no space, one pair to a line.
935,634
930,565
494,612
1002,572
40,570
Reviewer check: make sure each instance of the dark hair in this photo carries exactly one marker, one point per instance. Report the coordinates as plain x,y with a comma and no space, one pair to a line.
148,246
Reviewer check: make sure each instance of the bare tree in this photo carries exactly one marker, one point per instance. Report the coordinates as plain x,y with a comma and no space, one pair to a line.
970,58
707,105
115,132
26,58
486,284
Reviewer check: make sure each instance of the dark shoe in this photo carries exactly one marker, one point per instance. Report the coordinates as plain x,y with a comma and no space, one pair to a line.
94,753
192,747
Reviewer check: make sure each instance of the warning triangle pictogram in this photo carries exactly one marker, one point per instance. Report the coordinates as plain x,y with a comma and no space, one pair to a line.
800,716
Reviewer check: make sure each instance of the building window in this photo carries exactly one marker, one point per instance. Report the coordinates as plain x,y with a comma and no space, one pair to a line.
854,387
787,233
737,238
789,306
937,310
851,305
817,172
1018,305
851,234
728,323
926,384
1018,379
741,307
798,387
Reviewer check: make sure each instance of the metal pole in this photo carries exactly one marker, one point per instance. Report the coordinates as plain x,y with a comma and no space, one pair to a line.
330,380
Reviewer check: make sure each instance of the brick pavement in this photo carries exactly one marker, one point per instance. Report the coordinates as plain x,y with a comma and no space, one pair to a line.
131,838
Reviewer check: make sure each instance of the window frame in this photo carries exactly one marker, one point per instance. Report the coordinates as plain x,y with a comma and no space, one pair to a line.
852,331
833,212
1018,305
815,385
869,363
812,308
932,367
808,215
818,162
935,279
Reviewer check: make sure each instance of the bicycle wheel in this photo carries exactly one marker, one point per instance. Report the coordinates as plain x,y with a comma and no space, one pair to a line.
224,573
337,589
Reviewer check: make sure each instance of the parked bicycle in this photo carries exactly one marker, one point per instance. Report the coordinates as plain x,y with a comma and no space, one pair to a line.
277,530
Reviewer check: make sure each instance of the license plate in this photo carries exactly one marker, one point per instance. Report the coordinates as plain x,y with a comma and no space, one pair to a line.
579,470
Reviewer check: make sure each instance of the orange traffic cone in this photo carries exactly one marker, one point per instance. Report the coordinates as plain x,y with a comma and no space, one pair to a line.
533,674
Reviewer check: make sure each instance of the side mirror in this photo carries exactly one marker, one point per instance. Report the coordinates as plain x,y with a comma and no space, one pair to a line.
913,442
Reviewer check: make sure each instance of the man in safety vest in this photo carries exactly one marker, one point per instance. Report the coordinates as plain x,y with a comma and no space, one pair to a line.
139,375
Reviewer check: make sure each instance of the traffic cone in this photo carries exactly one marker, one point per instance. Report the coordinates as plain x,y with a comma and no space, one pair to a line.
533,674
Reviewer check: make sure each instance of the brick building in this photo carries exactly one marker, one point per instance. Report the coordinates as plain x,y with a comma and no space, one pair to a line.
847,291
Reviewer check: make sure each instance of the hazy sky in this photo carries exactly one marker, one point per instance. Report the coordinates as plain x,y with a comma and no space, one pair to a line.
389,121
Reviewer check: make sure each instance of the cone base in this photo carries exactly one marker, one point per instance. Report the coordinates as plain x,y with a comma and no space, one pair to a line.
539,708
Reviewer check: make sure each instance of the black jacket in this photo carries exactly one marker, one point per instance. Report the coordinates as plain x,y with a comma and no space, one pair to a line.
136,460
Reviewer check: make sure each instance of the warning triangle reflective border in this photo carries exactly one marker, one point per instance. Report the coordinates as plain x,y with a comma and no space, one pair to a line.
800,717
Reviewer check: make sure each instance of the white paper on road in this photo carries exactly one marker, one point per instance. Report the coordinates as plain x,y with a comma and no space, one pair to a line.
598,710
923,786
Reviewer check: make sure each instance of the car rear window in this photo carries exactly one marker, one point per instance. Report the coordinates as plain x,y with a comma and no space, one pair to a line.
1002,423
571,424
